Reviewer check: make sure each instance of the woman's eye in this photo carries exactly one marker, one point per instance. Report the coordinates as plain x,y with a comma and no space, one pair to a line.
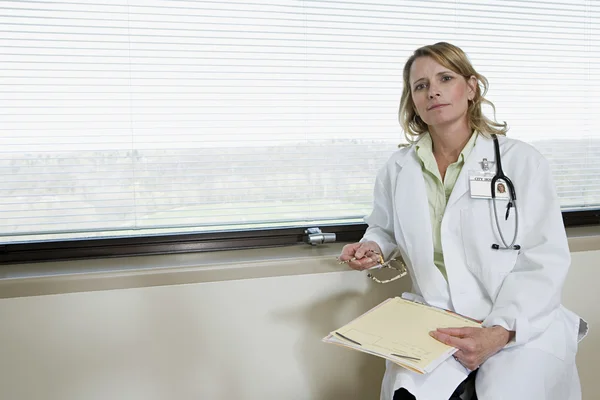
446,78
420,86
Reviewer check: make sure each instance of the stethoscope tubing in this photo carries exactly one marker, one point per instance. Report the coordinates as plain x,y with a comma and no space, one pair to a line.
512,201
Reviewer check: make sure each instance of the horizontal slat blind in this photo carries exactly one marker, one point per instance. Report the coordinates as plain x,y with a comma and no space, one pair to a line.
142,117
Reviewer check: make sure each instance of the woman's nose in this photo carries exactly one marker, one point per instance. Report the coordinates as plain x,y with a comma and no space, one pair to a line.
433,93
433,90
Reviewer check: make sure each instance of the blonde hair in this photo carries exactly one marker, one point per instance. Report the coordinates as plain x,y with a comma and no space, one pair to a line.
453,58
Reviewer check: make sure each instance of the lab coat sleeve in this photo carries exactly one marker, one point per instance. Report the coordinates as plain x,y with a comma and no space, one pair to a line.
531,293
381,221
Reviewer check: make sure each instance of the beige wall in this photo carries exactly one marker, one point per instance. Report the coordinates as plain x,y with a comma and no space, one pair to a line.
247,330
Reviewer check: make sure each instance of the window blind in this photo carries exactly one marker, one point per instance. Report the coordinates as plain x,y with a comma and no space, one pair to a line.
131,117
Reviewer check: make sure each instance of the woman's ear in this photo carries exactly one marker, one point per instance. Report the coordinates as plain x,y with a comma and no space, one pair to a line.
472,84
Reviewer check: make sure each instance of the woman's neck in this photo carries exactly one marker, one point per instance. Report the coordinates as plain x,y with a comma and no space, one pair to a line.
449,142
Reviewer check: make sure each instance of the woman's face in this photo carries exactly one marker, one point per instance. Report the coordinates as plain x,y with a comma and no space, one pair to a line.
441,96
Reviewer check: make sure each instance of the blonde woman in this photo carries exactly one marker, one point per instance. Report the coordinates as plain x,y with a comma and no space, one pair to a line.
430,205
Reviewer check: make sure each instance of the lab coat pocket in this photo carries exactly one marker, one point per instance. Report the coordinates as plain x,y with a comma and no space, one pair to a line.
479,233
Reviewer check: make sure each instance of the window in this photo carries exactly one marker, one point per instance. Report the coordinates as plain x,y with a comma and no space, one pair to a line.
131,118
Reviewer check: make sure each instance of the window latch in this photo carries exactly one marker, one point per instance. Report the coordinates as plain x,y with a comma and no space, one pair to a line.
315,236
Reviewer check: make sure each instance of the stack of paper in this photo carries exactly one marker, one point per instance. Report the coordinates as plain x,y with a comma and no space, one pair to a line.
398,330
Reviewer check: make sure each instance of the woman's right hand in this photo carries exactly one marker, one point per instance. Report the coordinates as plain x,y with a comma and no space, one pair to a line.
361,255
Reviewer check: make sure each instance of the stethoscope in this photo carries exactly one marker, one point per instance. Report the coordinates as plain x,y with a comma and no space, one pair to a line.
512,202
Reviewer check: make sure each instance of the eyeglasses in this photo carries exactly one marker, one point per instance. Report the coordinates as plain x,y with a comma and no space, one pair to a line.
395,262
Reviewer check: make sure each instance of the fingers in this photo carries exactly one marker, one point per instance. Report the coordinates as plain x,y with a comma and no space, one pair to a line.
367,249
453,341
360,256
368,260
364,263
348,251
468,353
458,332
469,361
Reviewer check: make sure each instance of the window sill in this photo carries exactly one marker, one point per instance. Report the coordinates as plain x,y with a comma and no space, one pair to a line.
170,269
57,277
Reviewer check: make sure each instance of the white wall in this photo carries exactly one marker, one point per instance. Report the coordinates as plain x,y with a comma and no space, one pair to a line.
237,339
581,295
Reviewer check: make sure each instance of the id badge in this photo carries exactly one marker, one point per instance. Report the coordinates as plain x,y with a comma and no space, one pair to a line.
480,185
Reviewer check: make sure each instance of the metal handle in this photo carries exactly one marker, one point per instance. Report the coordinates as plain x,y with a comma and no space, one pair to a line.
316,237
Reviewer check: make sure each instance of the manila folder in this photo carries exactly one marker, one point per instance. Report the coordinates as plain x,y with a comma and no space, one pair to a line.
398,330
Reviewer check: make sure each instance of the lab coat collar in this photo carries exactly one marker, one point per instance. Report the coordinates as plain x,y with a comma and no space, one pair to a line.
484,148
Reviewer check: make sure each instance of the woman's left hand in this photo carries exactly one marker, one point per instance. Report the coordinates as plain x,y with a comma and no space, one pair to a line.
475,345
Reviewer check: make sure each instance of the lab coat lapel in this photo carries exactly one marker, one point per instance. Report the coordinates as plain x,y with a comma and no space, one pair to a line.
414,219
411,201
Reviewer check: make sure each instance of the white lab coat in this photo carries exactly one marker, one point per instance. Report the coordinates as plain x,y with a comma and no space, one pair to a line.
519,290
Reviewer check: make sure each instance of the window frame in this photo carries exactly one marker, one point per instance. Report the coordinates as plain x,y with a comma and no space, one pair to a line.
95,248
81,249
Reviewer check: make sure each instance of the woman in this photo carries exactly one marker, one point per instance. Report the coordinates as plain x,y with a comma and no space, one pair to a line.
425,205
